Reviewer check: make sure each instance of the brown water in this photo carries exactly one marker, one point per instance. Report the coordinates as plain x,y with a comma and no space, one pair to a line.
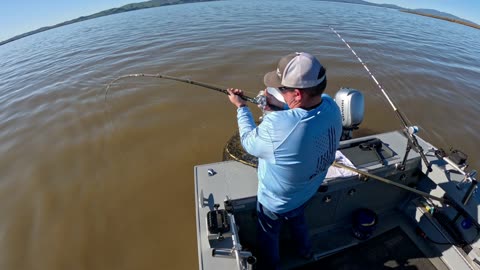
83,187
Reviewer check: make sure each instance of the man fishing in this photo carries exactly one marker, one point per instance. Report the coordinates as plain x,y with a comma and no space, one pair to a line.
294,147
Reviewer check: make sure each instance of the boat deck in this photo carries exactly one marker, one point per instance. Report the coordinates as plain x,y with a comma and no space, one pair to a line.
394,245
390,250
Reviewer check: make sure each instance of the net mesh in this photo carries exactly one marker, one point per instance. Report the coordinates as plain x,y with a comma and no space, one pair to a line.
234,151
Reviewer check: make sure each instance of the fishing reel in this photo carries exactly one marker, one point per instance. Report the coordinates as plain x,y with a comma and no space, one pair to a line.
261,101
350,102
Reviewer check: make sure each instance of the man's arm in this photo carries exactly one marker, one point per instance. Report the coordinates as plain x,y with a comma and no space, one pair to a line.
255,140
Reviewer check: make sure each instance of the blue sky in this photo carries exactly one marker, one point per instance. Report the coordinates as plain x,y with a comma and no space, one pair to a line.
20,16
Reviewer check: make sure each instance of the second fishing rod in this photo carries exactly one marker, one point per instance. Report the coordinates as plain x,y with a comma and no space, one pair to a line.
408,128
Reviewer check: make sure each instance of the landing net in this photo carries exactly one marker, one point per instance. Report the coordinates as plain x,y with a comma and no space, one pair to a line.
234,151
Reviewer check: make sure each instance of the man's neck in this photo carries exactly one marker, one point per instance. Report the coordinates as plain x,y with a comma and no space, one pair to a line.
309,103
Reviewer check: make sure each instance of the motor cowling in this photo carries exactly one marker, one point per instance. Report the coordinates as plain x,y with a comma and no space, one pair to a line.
352,107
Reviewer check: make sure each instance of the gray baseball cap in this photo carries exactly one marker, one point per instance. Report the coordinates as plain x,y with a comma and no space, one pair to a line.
296,70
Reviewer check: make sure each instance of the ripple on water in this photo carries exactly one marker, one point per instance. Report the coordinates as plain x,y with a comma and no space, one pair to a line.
94,178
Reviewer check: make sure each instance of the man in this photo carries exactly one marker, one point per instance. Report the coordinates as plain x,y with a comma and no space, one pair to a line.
294,147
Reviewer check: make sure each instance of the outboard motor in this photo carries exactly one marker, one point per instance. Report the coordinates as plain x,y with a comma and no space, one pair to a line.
352,108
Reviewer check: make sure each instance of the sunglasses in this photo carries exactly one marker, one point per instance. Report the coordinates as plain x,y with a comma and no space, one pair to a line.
284,88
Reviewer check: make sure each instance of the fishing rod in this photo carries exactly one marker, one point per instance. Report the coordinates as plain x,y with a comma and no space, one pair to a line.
445,199
413,142
259,100
390,182
408,128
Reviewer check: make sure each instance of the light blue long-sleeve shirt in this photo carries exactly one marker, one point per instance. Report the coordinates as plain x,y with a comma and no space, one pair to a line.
294,149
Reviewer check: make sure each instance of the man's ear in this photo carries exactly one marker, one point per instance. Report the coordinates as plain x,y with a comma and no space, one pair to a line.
298,95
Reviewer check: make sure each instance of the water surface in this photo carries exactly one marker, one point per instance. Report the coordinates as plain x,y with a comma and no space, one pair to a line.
92,185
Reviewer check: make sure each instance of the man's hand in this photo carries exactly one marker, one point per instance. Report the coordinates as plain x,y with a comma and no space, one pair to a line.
235,99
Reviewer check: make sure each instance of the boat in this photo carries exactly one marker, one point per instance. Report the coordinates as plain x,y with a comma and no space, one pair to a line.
422,204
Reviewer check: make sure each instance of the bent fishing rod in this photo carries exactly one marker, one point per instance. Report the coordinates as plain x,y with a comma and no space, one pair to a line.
258,100
409,130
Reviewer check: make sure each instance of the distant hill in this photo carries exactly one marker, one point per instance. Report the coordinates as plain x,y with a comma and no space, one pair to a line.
423,12
361,2
158,3
440,14
450,19
125,8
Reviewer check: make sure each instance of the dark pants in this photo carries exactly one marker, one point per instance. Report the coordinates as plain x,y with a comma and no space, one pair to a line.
268,234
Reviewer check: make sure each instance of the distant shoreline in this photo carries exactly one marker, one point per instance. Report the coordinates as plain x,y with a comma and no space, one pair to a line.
122,9
476,26
159,3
